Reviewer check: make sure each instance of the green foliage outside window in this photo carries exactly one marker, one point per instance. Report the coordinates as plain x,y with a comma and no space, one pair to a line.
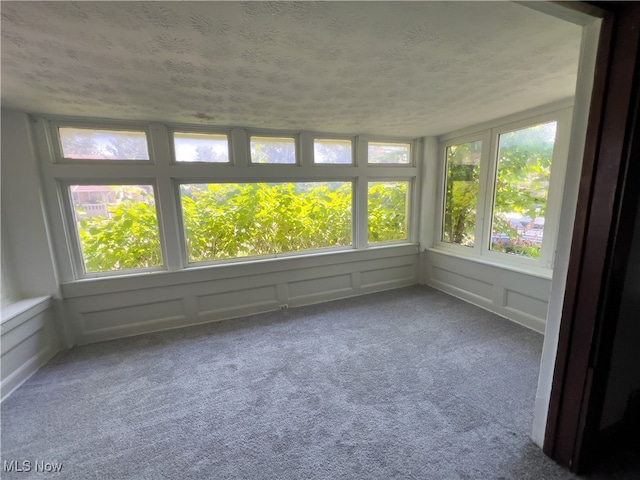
239,220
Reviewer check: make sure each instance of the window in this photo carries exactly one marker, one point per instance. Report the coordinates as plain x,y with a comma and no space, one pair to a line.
502,189
96,144
521,189
387,211
117,227
461,192
193,201
201,147
273,150
332,151
231,220
389,153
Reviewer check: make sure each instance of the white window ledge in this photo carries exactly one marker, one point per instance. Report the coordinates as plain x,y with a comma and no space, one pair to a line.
16,313
534,271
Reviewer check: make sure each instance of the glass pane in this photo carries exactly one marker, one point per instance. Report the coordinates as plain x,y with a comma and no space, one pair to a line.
522,185
91,144
461,193
117,226
392,153
201,147
387,211
231,220
332,152
273,150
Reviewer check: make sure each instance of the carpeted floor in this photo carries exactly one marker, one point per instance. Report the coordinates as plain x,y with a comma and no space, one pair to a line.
408,384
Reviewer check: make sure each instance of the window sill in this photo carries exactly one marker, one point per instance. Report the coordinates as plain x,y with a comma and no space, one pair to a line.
16,313
534,271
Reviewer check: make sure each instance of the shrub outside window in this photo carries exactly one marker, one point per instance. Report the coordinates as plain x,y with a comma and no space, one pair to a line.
232,220
387,208
461,193
117,227
521,189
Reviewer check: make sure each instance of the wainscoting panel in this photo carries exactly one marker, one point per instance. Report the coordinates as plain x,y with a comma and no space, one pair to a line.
103,309
28,340
516,295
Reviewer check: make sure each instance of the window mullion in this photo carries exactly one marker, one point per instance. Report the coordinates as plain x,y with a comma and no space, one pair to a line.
361,196
166,207
486,192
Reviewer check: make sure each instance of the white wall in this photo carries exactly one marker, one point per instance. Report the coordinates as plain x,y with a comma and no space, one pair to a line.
31,321
111,308
515,295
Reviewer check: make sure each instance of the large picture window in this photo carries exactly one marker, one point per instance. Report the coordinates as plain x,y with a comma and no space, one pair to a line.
231,220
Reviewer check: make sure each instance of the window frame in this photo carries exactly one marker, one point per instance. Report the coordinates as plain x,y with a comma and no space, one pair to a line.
409,210
351,139
177,182
262,134
487,190
165,175
73,236
199,131
390,141
56,144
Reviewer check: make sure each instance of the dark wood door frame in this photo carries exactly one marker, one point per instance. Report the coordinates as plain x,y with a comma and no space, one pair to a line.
607,200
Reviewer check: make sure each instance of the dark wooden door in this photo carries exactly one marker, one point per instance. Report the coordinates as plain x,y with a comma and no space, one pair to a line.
608,198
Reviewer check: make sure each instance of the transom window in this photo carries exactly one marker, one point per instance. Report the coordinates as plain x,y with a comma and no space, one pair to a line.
273,150
201,147
99,144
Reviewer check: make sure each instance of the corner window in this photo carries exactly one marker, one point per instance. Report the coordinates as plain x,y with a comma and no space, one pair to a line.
96,144
117,227
273,150
461,193
521,189
387,211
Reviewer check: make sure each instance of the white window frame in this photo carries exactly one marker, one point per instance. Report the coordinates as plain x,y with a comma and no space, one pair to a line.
201,131
165,174
351,139
412,226
262,134
56,144
390,140
204,263
73,236
486,192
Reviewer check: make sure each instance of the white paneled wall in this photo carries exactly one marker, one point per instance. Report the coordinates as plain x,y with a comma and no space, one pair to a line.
27,340
112,308
516,295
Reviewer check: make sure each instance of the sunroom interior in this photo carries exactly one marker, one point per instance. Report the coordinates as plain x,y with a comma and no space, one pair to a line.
428,99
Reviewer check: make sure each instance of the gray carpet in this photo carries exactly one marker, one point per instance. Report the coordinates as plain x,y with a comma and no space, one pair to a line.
409,383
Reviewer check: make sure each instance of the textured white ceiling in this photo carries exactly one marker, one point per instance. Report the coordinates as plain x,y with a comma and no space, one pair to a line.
402,68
